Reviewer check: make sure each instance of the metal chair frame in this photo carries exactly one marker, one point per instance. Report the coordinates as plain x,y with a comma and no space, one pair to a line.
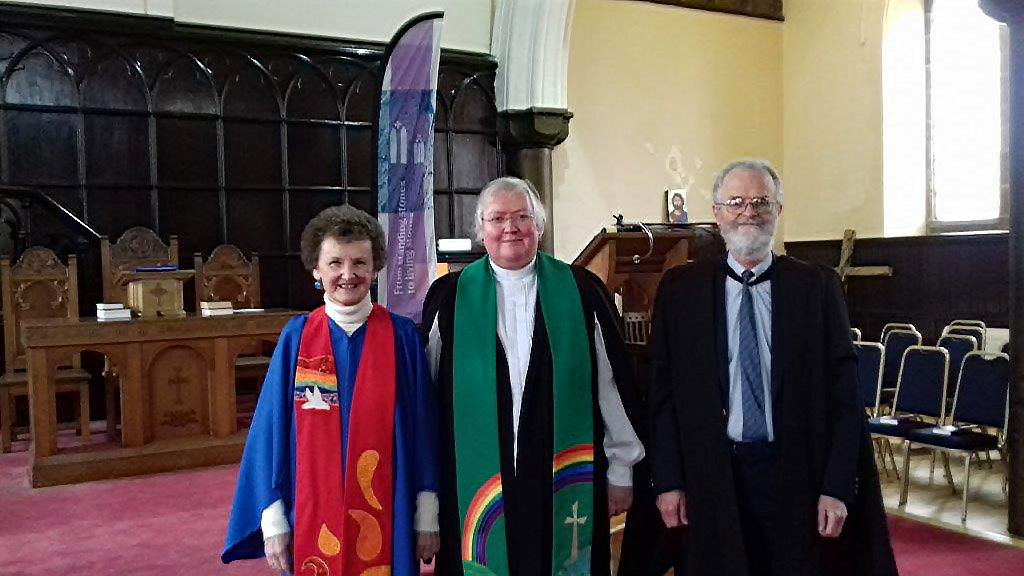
967,453
978,332
889,327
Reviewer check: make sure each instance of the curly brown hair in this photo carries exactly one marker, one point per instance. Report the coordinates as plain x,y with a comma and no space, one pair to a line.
344,223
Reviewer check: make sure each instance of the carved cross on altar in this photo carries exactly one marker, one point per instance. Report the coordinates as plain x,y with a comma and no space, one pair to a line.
178,381
159,291
846,258
576,521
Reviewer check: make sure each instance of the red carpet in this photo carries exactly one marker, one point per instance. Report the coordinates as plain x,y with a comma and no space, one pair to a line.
924,550
173,524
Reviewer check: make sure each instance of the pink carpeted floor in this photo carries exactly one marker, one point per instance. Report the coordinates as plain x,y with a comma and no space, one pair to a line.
166,524
173,524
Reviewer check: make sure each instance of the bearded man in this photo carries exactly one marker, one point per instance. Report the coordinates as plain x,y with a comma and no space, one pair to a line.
759,446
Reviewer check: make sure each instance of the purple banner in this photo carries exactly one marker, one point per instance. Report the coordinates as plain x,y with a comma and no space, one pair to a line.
405,166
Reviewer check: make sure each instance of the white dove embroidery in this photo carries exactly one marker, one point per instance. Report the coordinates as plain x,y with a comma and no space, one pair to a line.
314,400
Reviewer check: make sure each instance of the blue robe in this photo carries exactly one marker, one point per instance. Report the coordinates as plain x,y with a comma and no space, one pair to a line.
267,472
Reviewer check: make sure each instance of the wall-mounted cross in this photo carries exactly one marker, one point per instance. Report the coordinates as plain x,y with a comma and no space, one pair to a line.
845,269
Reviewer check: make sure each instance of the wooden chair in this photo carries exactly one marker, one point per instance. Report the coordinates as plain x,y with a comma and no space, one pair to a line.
137,247
228,277
38,286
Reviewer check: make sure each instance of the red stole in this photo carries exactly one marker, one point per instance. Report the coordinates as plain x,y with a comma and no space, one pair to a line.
343,522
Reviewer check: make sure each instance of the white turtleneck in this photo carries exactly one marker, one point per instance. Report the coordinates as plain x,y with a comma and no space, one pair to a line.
350,318
273,520
516,292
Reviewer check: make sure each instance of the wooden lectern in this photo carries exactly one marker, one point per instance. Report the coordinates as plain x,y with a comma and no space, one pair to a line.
156,294
631,260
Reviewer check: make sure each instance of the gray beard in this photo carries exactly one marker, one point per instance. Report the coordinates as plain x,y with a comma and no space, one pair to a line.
753,247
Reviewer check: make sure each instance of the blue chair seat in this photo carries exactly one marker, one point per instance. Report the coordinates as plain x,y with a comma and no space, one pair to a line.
958,440
900,429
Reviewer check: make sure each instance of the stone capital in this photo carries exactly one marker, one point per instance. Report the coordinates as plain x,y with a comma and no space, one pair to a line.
533,127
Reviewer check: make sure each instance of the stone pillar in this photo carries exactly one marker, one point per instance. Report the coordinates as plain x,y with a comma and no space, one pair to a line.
527,138
530,41
1011,12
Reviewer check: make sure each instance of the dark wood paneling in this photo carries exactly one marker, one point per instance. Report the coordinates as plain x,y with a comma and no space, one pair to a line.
935,279
214,135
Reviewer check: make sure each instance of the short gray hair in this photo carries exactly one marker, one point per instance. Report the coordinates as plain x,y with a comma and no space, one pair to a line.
508,185
754,166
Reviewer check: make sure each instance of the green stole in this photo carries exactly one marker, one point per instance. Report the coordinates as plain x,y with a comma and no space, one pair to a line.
477,456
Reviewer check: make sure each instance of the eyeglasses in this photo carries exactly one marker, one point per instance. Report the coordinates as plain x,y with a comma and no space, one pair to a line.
519,219
738,205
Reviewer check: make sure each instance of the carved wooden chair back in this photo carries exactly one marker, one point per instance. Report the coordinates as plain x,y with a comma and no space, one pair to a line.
227,276
37,286
137,247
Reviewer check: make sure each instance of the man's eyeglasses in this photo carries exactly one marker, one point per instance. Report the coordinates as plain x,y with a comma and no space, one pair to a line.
518,219
739,205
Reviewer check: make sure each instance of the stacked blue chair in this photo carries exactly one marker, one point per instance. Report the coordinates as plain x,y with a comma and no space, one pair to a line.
896,343
870,359
895,326
977,332
958,346
978,323
982,400
920,399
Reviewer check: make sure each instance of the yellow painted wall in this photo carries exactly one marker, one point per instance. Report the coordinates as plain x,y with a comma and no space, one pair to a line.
649,84
832,118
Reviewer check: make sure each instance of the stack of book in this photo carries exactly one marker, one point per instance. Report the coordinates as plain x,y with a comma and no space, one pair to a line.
216,308
105,312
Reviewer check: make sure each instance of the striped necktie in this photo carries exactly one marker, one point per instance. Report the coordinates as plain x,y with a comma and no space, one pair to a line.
755,428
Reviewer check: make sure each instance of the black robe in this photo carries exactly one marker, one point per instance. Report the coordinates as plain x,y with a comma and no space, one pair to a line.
818,422
526,487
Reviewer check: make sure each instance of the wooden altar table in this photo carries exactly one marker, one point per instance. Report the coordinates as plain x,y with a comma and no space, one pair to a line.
178,406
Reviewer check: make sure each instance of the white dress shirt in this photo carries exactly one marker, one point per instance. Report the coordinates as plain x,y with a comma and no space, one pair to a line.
516,292
273,520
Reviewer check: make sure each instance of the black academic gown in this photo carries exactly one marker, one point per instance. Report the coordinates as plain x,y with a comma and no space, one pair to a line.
527,486
818,422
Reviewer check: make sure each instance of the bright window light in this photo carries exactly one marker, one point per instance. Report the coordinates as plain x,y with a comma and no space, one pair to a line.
965,112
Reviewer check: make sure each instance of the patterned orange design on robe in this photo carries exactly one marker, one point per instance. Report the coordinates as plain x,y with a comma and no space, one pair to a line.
369,541
365,468
328,542
314,566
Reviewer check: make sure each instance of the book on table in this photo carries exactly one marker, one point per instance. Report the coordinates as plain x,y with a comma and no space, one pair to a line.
113,314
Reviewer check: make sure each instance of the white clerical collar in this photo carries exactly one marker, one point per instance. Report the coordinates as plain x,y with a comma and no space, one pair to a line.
505,274
757,270
350,318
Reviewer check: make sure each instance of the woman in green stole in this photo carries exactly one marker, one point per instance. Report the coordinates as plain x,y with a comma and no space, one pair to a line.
529,364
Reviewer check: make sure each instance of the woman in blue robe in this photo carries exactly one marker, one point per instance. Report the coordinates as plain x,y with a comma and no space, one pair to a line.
343,248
